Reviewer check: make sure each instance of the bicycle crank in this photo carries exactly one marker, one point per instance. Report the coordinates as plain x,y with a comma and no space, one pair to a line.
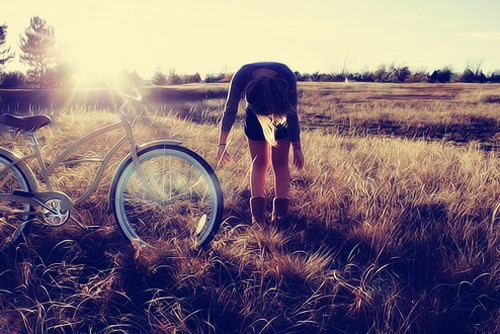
52,213
56,206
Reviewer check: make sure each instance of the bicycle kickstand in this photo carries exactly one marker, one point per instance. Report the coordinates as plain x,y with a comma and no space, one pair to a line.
83,227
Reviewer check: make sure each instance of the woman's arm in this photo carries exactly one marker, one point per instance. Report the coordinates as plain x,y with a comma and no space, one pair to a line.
231,108
294,127
234,95
223,156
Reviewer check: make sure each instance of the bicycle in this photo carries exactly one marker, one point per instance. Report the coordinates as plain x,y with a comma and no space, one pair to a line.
160,190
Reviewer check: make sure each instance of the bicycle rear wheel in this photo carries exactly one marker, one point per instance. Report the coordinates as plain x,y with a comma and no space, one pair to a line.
173,197
12,221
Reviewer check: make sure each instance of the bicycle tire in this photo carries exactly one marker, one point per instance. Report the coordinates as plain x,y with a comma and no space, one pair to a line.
190,191
18,177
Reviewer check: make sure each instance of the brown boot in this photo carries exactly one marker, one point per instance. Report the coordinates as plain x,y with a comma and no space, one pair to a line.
258,210
280,209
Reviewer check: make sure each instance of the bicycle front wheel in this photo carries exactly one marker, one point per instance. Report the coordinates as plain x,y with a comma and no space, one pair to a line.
12,220
171,197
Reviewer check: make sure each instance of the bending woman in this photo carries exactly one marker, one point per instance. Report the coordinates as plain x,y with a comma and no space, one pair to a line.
271,124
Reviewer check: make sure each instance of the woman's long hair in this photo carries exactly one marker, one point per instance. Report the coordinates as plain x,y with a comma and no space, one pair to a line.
268,99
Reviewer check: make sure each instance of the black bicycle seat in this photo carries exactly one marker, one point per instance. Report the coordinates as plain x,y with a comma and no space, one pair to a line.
29,123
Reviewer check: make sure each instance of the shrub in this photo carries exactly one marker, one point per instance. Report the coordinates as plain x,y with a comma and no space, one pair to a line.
442,76
469,76
195,78
495,77
131,78
227,77
365,76
174,79
399,74
159,78
419,76
12,80
381,74
214,77
299,76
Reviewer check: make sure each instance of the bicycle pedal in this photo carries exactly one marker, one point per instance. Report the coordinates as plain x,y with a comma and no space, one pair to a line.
92,228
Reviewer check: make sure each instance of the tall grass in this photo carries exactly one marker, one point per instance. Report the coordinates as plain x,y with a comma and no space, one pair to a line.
386,234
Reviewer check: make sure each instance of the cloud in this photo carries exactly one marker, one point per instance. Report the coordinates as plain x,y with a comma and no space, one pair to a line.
489,36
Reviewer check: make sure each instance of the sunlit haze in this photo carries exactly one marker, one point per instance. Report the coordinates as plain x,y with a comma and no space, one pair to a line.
219,36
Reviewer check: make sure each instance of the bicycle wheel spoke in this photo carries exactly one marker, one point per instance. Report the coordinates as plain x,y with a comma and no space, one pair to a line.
12,214
188,208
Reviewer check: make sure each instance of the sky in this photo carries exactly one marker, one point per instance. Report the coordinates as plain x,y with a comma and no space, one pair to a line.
213,36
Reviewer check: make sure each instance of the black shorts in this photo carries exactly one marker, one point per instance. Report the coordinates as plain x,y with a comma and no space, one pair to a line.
253,129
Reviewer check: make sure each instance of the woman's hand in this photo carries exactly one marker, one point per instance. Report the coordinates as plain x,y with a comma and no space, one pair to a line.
298,158
223,156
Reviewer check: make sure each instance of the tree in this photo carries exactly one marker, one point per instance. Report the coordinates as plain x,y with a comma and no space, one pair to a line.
130,78
38,47
173,78
159,78
5,53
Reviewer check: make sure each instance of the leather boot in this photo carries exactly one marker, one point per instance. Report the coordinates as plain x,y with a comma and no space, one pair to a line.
258,210
280,209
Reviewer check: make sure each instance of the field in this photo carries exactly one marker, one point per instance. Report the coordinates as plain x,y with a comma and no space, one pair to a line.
393,225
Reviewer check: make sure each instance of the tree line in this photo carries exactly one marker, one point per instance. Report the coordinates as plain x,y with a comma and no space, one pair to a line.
48,69
399,74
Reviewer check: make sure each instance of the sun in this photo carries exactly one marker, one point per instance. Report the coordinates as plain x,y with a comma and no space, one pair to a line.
93,72
92,67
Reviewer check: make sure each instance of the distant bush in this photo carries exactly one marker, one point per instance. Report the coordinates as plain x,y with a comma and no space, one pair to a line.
299,76
365,76
174,79
12,80
321,77
495,77
131,78
399,74
195,78
62,77
442,76
159,78
382,74
470,76
419,76
214,77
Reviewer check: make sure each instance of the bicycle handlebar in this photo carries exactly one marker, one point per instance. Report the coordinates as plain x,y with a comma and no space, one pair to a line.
135,95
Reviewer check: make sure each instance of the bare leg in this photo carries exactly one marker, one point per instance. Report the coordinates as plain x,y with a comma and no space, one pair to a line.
259,152
279,157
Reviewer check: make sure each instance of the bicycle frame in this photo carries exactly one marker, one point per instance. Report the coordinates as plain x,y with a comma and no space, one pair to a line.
47,171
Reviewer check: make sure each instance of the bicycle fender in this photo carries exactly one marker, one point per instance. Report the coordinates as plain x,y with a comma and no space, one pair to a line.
159,142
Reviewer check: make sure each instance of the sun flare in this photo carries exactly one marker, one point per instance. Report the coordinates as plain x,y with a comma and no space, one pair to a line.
92,66
94,72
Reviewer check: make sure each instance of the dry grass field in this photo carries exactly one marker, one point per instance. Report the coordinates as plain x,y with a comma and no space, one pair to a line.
393,225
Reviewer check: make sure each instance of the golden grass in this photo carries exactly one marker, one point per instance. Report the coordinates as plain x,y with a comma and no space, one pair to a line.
387,233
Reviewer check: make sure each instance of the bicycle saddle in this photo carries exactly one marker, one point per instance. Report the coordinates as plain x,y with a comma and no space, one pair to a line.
29,123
